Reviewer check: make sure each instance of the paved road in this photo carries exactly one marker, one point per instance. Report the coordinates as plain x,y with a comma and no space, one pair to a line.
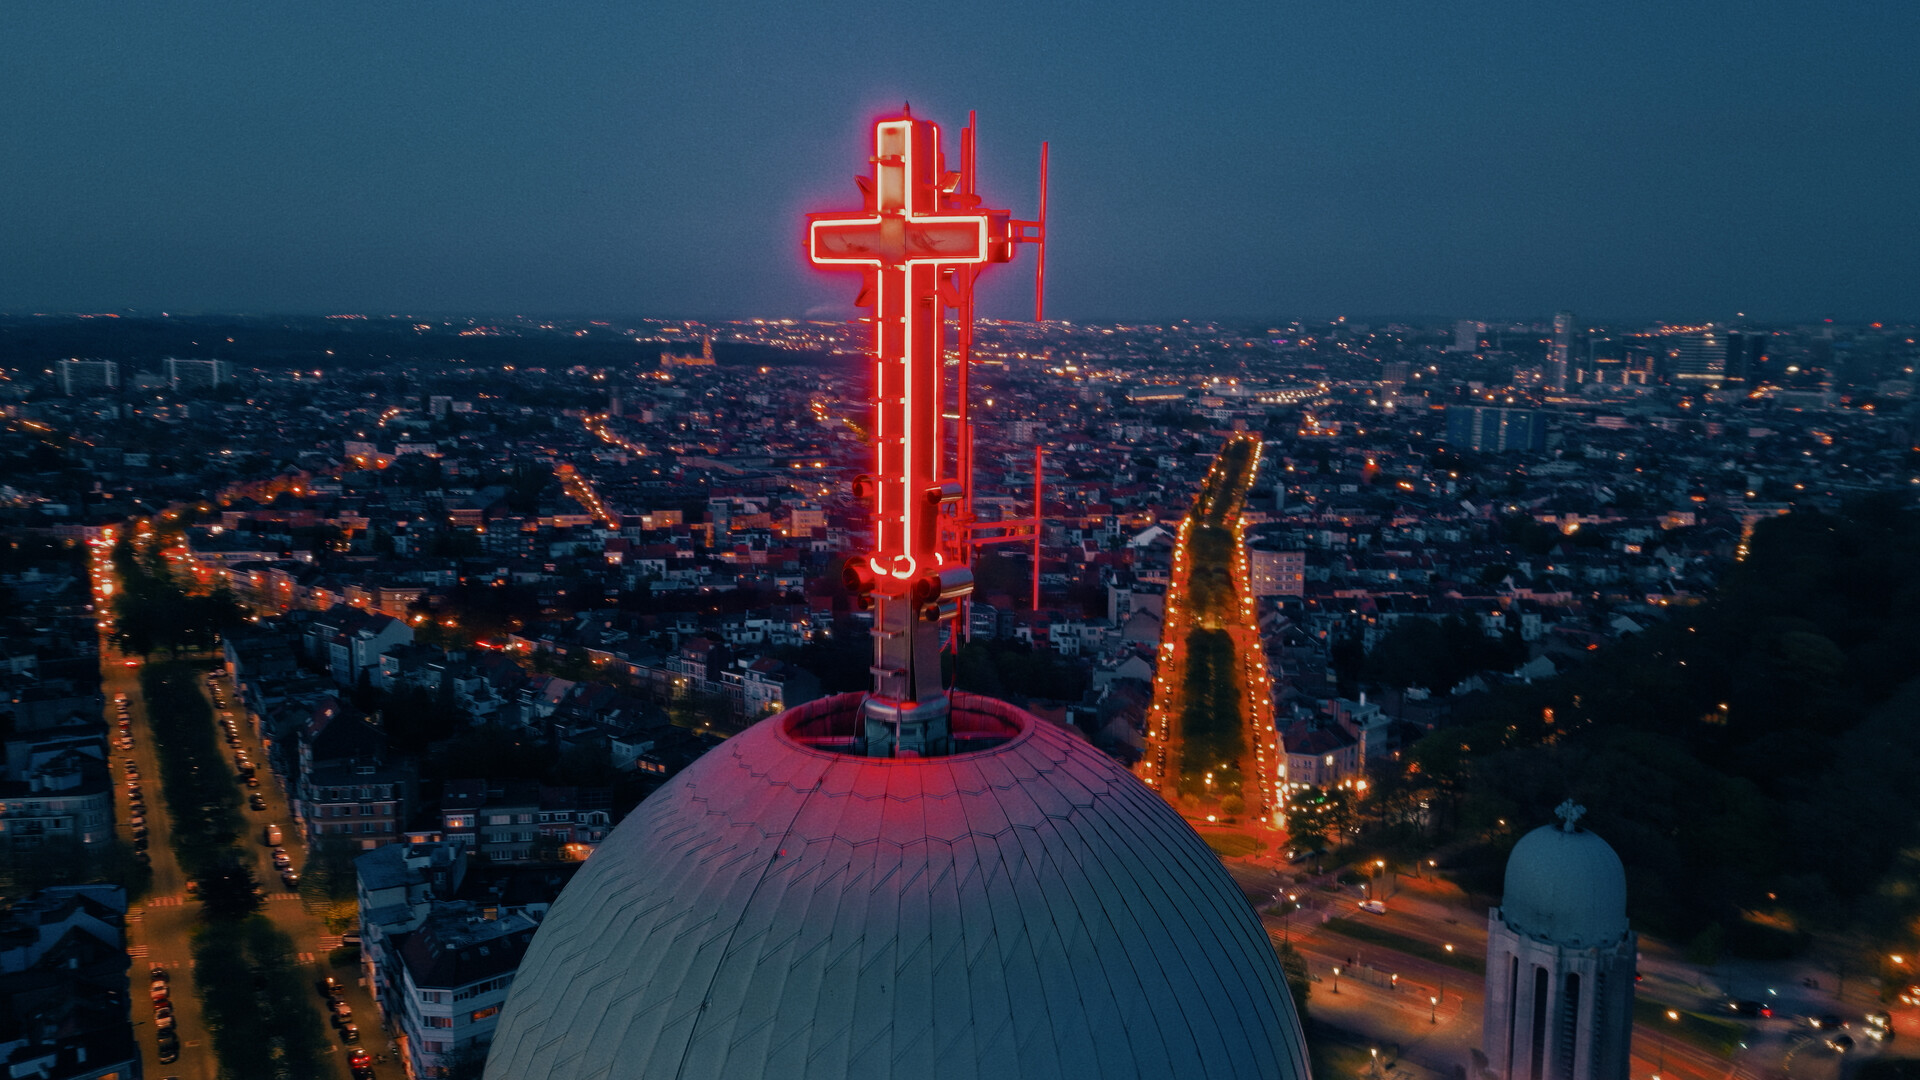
160,930
311,938
1440,1037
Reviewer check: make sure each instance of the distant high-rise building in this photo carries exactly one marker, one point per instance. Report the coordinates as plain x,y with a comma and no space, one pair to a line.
1697,359
1494,430
1560,353
196,374
1466,336
87,376
1746,351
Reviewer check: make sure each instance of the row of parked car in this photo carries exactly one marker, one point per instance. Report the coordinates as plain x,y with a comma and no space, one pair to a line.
358,1059
166,1038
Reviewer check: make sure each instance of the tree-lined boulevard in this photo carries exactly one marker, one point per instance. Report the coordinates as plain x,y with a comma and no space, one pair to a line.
242,963
1211,748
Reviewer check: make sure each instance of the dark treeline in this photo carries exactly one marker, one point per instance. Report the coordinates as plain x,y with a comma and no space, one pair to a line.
1754,759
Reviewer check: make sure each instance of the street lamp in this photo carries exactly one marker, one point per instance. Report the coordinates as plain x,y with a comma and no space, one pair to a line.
1674,1017
1433,1012
1336,978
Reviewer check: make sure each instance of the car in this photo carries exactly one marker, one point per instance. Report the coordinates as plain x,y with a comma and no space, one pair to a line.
350,1033
1880,1034
120,698
256,802
169,1045
158,993
163,1023
1373,907
1879,1019
342,1012
137,821
1840,1044
1829,1022
159,974
359,1056
253,781
290,879
329,987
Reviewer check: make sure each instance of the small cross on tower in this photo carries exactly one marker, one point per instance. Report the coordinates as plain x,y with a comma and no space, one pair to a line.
1569,813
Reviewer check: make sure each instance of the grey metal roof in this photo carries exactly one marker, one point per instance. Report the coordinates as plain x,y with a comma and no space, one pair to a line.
1029,910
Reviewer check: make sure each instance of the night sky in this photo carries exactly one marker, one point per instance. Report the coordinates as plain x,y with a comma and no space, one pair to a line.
1626,158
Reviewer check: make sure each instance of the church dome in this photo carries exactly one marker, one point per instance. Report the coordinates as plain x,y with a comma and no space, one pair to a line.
1023,908
1566,885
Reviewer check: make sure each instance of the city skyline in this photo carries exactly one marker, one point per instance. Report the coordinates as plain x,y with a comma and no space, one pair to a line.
1630,163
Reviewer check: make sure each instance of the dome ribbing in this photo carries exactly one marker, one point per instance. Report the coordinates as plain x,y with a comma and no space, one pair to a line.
781,910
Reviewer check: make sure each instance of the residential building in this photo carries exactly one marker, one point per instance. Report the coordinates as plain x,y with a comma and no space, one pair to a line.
455,971
55,788
87,376
196,374
64,1010
1276,572
347,789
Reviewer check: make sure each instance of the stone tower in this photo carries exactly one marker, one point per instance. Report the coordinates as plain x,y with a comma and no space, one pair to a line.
1560,960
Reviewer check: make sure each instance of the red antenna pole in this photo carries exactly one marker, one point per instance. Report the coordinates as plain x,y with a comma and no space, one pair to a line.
1040,249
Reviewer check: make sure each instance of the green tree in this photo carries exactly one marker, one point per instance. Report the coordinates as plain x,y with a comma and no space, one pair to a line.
1299,979
229,891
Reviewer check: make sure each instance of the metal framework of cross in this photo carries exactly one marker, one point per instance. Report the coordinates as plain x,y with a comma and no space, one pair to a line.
919,242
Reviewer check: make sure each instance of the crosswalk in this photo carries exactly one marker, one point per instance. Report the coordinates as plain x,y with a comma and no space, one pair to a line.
283,896
165,901
306,958
138,952
329,942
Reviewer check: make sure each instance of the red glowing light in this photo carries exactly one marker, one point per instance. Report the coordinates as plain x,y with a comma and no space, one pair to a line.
921,229
919,242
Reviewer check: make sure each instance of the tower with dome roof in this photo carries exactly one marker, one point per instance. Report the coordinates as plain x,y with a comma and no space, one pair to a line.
1560,959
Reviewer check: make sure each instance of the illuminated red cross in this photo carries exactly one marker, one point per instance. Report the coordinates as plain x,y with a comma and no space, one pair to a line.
906,239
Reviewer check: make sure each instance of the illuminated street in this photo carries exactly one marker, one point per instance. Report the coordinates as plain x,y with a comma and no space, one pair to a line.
1210,643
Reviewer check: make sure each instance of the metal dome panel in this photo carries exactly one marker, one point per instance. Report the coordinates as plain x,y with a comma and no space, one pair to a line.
1027,910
